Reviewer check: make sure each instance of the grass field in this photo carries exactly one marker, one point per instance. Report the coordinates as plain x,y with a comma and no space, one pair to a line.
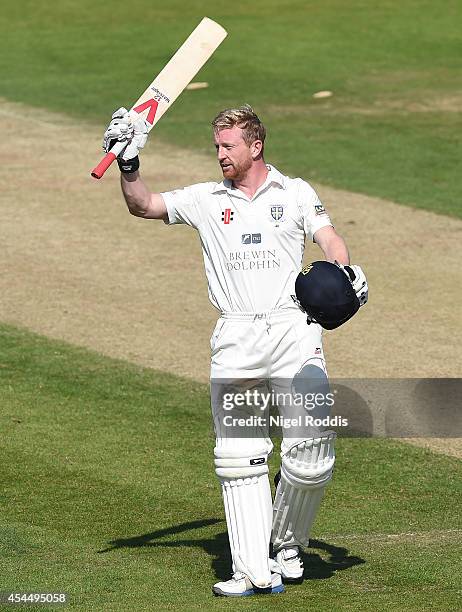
108,493
390,130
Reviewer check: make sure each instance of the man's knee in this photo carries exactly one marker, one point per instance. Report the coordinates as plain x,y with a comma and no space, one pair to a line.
308,463
246,462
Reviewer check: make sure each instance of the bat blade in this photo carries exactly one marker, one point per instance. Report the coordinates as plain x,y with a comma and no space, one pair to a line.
171,81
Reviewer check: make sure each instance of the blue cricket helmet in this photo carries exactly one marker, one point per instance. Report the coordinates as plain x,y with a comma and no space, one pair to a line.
325,293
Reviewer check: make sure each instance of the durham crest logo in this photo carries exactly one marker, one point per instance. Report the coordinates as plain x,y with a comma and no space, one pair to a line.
277,212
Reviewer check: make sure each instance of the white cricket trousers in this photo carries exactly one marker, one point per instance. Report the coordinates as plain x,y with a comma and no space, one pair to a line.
269,352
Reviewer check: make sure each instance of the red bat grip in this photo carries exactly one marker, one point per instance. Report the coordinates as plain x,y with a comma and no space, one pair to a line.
103,165
108,159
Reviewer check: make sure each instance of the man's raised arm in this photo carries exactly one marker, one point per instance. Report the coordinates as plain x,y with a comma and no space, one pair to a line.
140,201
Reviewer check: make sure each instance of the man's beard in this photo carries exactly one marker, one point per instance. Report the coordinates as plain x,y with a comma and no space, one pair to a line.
238,170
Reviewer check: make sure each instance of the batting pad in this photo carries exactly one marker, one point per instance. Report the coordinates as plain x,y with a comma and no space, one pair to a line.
305,471
248,516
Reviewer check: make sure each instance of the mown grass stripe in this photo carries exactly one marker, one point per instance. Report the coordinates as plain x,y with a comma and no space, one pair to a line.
400,61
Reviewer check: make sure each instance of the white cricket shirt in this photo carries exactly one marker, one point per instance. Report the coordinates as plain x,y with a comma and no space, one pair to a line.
252,248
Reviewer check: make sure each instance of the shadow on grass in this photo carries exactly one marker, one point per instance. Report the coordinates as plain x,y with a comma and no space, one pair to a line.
317,568
149,539
217,547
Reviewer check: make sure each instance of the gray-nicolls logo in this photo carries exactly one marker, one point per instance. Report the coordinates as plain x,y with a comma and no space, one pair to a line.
258,461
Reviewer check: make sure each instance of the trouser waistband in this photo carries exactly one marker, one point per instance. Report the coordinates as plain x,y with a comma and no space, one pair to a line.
266,315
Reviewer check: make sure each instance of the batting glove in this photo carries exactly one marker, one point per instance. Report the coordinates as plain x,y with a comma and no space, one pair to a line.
358,280
123,129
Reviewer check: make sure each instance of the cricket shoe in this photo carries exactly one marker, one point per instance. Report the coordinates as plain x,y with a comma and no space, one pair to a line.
288,564
240,586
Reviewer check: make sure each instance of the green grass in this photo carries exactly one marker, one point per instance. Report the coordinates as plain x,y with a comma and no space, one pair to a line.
394,66
108,493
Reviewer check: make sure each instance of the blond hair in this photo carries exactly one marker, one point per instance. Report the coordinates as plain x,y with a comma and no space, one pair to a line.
245,118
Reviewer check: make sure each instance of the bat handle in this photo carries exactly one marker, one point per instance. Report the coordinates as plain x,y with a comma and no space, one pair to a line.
107,160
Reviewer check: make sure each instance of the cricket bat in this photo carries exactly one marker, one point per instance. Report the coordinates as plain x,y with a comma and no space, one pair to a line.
170,82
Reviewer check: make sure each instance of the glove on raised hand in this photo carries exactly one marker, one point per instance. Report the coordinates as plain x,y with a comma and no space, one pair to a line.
123,129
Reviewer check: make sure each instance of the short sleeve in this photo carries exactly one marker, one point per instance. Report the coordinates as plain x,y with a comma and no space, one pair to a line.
314,215
182,206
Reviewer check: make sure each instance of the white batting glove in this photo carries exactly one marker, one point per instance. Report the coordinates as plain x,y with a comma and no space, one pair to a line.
123,129
358,280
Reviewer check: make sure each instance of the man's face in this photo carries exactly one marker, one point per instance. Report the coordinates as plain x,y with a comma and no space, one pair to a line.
233,153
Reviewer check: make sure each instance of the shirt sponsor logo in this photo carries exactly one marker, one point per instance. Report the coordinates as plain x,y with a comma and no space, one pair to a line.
261,259
251,238
277,211
227,216
320,210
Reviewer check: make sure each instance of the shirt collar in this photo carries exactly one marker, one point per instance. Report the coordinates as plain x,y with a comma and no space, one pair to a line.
274,176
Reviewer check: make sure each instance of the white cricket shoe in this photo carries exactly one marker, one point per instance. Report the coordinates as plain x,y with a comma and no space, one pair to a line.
240,586
288,564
